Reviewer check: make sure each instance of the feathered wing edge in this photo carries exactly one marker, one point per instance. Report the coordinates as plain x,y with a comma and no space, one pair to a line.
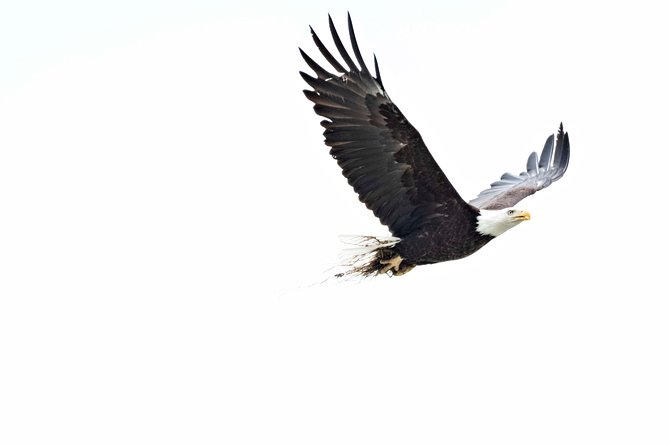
541,172
325,75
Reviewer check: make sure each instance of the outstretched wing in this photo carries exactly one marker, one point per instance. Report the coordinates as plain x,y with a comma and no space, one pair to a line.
541,172
381,154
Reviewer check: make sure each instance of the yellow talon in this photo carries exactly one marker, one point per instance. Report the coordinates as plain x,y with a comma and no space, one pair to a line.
391,264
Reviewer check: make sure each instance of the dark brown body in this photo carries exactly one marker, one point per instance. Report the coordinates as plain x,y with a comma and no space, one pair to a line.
450,237
422,248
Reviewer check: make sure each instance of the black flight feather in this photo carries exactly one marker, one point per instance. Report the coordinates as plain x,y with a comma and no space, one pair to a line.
324,51
322,73
356,49
340,47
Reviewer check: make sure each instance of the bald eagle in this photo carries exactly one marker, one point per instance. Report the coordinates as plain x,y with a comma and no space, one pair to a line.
385,160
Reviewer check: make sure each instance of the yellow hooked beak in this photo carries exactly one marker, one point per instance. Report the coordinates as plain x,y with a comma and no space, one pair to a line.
522,215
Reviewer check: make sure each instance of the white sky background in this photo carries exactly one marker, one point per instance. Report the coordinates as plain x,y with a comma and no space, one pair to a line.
168,209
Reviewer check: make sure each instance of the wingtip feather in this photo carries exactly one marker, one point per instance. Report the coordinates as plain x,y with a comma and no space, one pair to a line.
356,48
547,152
326,53
533,162
340,46
378,73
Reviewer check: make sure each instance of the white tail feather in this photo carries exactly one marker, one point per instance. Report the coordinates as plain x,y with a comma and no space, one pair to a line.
364,244
362,252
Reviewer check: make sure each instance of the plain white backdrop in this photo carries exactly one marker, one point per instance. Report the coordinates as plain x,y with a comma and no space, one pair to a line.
168,212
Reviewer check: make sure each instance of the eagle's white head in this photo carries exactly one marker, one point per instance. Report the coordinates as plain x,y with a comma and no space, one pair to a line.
495,223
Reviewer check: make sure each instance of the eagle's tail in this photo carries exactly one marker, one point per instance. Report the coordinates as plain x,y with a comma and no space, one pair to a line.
370,256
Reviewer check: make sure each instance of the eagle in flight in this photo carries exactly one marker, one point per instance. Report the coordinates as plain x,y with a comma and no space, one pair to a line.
386,161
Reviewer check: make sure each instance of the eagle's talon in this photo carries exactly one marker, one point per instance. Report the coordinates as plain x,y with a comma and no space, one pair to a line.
404,270
391,264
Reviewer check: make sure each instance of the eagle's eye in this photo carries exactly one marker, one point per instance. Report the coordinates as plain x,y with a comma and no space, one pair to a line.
510,212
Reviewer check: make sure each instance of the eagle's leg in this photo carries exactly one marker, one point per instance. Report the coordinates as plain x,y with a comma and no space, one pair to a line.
392,263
